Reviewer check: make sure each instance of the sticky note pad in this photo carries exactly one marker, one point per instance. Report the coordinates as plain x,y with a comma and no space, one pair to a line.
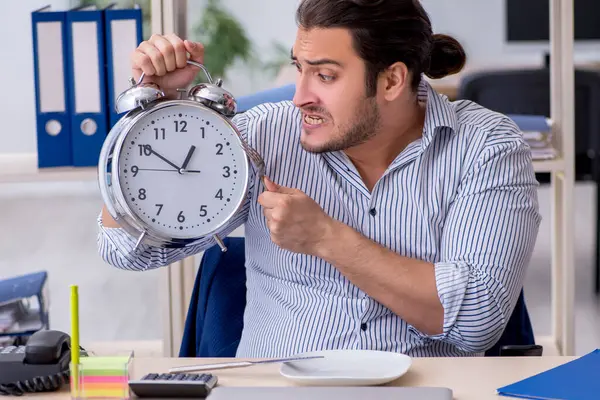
102,377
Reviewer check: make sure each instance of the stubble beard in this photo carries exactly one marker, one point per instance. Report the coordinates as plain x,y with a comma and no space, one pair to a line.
362,128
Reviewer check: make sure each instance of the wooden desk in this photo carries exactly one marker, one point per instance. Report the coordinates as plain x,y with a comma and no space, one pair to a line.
469,378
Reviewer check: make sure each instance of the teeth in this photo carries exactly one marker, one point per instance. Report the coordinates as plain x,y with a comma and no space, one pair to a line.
313,121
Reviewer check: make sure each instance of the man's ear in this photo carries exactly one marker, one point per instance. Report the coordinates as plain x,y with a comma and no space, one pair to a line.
394,81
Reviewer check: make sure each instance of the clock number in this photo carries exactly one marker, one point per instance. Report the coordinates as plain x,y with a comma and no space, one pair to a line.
220,151
227,173
135,170
219,194
202,130
160,133
203,211
180,217
142,194
145,149
180,126
160,206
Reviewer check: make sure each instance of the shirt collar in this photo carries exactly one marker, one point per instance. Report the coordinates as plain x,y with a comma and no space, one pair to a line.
439,112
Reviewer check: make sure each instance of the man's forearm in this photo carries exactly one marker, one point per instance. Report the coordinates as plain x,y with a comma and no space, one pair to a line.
404,285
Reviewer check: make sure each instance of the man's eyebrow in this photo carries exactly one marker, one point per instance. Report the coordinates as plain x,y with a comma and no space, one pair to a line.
321,61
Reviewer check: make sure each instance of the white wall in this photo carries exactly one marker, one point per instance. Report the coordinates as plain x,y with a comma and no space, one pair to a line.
479,26
17,104
468,20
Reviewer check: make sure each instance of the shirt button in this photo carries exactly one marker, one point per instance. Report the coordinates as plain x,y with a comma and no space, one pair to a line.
363,326
373,212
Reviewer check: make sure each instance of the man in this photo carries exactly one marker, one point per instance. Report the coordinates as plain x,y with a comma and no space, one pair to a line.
391,218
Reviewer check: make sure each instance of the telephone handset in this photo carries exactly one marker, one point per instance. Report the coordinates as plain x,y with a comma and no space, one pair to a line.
39,366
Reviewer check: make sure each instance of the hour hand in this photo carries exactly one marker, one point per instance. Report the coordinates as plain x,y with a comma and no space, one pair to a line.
162,157
187,159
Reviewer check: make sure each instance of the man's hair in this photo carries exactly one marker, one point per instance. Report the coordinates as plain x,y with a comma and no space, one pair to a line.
385,32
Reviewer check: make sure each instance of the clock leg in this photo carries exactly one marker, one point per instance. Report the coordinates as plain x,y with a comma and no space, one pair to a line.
220,243
139,241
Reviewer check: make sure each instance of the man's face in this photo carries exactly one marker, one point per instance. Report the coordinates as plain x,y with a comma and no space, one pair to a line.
331,92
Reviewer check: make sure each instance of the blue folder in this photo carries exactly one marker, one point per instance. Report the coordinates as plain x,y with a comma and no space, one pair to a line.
89,118
52,87
123,34
25,287
575,380
22,286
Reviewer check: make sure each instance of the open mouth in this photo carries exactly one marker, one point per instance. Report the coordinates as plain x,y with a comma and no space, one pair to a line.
313,120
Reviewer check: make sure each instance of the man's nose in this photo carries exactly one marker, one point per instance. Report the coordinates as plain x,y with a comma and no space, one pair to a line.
304,95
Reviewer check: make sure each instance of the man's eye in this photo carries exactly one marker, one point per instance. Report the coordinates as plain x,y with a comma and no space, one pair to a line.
295,64
326,78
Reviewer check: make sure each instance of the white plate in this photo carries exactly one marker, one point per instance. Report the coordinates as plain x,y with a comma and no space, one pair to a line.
347,368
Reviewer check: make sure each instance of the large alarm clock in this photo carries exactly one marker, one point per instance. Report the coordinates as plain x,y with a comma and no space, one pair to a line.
173,172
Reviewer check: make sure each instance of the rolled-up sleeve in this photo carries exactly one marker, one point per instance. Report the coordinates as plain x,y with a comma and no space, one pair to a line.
487,242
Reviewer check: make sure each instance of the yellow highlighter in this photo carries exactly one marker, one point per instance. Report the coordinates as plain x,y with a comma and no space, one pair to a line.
74,340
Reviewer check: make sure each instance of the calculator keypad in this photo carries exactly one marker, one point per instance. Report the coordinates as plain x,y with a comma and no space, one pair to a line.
173,385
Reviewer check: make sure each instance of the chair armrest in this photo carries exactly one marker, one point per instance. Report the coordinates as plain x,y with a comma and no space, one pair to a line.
531,350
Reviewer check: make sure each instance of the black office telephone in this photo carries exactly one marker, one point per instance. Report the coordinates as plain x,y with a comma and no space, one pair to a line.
41,365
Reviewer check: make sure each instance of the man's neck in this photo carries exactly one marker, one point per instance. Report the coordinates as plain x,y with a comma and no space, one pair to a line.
373,157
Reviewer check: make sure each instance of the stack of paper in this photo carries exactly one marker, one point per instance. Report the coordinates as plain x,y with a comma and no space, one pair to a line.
537,131
7,317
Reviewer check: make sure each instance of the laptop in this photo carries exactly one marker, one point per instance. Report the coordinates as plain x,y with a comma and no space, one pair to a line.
329,393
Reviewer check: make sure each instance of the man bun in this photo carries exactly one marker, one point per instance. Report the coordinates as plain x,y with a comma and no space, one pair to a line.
447,57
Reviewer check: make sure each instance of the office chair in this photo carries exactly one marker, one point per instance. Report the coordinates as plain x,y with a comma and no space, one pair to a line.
528,92
215,317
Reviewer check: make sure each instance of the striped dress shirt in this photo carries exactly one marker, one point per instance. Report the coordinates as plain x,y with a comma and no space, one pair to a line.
462,197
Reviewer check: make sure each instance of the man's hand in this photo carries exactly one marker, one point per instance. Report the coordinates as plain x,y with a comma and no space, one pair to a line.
296,222
163,59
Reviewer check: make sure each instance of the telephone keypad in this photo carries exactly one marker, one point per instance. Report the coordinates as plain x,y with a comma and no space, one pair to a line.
12,350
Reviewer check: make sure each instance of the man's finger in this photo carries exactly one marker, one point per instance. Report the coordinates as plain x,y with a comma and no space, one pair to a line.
274,215
167,50
180,50
270,185
273,187
142,63
196,51
268,213
269,199
157,58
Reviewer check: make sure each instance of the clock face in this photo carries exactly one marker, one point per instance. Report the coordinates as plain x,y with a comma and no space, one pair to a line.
182,171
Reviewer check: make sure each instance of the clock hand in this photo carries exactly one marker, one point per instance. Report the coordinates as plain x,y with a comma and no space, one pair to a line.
163,158
155,169
167,170
187,160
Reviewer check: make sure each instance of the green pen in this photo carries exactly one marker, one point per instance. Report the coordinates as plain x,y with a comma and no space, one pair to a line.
75,339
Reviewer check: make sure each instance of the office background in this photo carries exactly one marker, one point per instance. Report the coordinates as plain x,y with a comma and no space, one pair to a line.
50,223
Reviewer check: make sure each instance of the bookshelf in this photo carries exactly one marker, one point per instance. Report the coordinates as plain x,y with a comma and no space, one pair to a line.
554,165
170,15
562,83
58,174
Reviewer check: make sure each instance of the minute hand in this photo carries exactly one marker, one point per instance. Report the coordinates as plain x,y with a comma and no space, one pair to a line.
163,158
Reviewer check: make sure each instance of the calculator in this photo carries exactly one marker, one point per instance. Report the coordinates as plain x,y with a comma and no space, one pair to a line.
173,385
